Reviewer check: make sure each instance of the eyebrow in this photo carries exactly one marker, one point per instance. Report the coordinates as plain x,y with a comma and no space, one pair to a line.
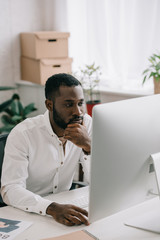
69,100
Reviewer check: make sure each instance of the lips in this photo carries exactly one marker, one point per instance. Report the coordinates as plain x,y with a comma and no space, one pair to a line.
76,120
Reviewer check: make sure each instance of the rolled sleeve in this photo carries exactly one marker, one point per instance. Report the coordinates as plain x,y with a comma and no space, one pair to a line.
85,160
40,207
25,200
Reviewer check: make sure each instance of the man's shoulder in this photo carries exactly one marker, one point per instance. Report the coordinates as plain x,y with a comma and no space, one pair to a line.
30,128
30,123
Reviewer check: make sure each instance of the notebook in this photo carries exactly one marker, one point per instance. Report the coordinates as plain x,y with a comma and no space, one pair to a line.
78,235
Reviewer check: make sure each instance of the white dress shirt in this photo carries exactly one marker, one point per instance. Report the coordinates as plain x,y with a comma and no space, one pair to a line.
35,165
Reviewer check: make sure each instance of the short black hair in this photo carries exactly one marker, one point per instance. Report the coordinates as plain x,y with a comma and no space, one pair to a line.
61,79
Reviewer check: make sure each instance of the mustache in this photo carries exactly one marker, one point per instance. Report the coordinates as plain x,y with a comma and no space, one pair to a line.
77,118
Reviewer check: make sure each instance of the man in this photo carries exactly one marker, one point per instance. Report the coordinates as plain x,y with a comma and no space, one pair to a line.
42,153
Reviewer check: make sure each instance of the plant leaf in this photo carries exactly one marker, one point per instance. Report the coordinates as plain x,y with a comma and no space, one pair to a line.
157,66
7,128
7,120
16,118
28,109
157,56
9,111
145,71
5,105
144,79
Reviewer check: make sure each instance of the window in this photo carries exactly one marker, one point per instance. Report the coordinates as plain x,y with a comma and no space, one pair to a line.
119,35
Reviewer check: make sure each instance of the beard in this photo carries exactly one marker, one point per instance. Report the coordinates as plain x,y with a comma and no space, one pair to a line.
58,120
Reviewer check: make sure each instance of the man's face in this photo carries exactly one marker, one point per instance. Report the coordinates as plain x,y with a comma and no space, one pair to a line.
68,106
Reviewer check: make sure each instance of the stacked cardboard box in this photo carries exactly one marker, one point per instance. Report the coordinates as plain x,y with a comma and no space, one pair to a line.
44,54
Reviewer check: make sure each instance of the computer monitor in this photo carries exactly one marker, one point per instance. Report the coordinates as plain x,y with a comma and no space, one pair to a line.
125,134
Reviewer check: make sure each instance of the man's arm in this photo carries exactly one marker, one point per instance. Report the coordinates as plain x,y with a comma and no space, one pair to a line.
80,135
14,175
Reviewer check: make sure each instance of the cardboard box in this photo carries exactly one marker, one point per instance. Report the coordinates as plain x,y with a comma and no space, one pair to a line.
38,71
45,44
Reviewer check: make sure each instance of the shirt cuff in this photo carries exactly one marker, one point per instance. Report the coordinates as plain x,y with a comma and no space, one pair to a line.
40,207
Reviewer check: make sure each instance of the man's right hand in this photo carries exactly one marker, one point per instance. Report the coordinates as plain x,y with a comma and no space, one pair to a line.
67,214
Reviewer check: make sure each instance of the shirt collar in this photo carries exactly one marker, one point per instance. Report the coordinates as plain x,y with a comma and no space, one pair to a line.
48,124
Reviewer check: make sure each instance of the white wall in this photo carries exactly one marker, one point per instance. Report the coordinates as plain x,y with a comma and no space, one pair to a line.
18,16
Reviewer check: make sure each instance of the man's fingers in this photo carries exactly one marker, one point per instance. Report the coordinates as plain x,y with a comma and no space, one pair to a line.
69,130
80,216
67,222
72,131
73,125
81,210
74,220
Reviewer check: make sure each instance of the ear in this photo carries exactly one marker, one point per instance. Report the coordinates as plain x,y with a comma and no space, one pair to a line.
49,104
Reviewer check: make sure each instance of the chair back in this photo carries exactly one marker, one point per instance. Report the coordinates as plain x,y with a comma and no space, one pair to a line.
3,138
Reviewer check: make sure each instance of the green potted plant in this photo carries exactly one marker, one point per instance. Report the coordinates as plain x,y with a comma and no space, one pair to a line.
8,102
153,71
14,112
90,78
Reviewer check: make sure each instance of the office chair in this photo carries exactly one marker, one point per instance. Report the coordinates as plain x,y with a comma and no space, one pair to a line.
3,138
80,182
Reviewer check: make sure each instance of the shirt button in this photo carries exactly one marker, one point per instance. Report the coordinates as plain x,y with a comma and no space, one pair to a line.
85,158
60,144
26,208
40,212
61,163
55,187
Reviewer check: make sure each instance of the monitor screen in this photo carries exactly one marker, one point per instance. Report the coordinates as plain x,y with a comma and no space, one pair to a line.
125,134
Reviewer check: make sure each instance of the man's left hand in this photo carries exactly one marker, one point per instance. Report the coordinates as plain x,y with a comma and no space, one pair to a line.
78,134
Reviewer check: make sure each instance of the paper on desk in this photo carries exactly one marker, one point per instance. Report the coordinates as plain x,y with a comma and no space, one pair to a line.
78,235
11,228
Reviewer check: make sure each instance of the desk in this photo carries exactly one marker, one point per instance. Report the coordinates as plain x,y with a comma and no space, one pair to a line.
106,229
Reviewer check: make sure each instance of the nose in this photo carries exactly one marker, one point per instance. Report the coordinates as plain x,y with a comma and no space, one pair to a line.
77,110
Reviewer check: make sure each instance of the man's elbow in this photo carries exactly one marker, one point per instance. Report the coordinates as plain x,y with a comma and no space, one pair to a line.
4,196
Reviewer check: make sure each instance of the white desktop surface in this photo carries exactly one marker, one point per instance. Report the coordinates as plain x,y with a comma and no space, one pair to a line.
106,229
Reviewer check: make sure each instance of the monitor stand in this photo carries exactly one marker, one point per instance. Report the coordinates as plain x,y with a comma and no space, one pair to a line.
149,221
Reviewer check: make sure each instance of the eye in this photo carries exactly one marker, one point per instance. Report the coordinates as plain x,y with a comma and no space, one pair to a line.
68,105
81,103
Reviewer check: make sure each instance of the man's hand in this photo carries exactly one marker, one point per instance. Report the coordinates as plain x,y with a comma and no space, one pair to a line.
67,214
78,134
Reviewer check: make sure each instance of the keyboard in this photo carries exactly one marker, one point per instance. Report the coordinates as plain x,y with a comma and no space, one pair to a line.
81,200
